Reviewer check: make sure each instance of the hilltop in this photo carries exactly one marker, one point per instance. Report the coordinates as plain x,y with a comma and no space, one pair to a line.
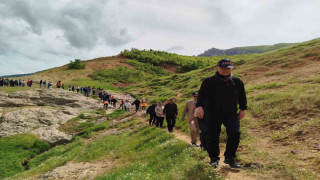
280,135
244,50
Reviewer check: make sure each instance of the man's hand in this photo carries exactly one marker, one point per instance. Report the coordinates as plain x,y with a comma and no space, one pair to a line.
241,114
200,112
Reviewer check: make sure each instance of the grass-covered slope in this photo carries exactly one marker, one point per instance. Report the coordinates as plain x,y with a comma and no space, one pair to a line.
137,152
15,151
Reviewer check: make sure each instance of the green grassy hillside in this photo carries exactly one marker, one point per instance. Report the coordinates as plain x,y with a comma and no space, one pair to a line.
283,88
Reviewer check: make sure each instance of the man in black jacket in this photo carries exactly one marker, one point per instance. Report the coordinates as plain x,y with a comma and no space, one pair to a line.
152,112
218,101
137,104
171,113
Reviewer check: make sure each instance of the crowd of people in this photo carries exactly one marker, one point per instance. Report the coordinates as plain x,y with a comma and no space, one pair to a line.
5,82
220,100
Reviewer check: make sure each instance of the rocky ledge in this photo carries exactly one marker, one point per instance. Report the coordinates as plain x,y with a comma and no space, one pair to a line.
41,112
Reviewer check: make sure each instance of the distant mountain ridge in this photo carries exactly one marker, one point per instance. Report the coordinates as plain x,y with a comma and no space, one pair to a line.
17,75
244,50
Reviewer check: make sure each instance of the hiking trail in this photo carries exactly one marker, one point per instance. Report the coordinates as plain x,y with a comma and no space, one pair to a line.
89,170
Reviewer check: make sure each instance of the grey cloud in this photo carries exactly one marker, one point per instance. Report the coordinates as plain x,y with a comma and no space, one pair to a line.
175,48
84,24
21,9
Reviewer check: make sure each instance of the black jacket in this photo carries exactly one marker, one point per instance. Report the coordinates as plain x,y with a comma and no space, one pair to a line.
170,109
151,109
218,94
136,102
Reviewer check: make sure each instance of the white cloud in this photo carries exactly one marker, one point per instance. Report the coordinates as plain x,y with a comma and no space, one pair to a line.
37,35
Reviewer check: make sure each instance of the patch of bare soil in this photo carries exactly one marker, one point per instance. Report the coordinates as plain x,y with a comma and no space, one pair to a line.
170,67
81,170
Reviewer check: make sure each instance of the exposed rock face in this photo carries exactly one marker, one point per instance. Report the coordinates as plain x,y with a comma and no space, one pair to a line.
41,112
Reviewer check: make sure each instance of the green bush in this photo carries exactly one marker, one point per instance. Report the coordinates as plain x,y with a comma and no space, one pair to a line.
76,64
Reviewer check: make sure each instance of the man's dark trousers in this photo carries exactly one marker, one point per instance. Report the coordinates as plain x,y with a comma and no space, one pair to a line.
232,124
203,133
152,119
171,120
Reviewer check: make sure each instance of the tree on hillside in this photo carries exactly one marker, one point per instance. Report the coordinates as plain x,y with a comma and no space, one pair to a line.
76,64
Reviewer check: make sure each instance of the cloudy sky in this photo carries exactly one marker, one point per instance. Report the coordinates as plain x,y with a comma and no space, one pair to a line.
37,35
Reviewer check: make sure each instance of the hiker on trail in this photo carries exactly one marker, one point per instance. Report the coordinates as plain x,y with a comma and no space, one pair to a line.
23,83
78,89
58,84
127,106
171,113
88,91
189,108
81,90
93,90
31,83
217,102
11,83
49,85
159,114
44,83
143,104
111,99
114,102
69,88
152,112
121,104
62,86
40,83
72,88
137,104
105,104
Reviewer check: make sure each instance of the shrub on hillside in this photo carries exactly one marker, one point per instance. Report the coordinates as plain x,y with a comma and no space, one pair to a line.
76,64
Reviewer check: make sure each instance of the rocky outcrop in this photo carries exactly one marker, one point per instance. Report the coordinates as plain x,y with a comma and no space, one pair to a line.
41,112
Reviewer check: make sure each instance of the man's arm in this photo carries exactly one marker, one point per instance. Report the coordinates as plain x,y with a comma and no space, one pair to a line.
242,100
202,96
176,110
184,112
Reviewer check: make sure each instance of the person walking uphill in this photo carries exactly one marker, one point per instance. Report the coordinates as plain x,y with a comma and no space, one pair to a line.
137,104
218,101
152,112
193,123
171,113
159,114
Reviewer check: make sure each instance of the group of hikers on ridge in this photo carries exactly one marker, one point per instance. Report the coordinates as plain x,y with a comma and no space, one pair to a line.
159,111
15,83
